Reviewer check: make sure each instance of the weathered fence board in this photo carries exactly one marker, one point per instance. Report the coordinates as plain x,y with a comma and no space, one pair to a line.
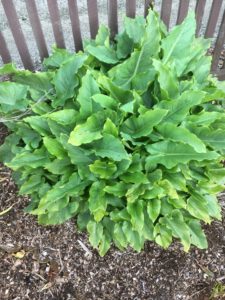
56,23
199,11
17,33
130,8
113,17
166,11
219,45
213,18
4,52
93,17
182,10
75,23
36,27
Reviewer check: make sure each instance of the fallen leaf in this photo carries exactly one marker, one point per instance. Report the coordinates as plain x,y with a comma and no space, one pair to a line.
6,210
19,254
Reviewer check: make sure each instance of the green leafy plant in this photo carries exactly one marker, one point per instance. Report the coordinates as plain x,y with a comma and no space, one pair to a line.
218,291
127,136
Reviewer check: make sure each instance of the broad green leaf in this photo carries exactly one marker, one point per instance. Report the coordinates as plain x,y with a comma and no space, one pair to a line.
59,196
88,89
104,54
124,45
163,235
7,69
135,177
179,108
153,208
105,101
27,159
137,215
169,188
214,208
77,155
116,92
39,124
95,231
119,189
179,228
59,217
181,134
176,179
104,244
133,237
54,147
12,93
197,206
143,125
135,28
9,148
103,169
148,228
120,215
111,147
39,81
204,118
88,131
177,45
119,236
64,116
57,58
151,45
198,237
57,129
65,79
138,67
31,185
135,192
171,154
103,35
59,166
97,200
167,79
110,128
213,138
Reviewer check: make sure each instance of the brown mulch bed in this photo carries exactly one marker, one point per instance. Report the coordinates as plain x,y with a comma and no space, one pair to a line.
58,262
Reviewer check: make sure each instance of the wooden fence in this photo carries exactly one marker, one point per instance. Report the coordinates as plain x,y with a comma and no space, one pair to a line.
215,25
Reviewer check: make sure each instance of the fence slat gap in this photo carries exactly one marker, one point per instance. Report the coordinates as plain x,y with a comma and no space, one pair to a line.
17,33
182,10
148,4
113,17
166,11
75,23
56,23
4,52
130,8
213,18
199,12
36,27
218,45
92,7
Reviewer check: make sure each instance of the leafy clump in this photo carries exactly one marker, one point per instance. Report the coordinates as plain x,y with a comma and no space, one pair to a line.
128,137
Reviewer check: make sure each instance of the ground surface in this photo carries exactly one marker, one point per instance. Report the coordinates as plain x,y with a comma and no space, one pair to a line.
58,263
84,23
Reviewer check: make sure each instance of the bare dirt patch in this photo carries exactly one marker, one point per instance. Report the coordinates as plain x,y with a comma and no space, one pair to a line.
58,262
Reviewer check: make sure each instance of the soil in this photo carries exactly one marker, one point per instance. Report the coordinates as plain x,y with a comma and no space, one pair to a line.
58,263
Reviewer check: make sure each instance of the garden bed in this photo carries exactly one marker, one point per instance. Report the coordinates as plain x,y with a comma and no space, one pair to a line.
58,262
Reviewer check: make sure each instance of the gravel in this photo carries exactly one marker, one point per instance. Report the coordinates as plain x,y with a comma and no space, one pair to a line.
82,6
